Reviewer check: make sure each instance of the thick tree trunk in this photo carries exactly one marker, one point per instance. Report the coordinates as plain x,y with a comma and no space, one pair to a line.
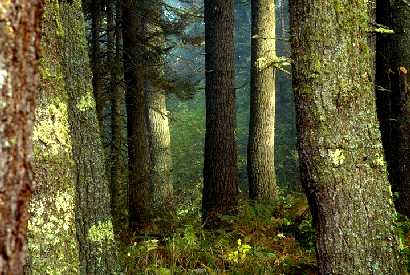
93,217
19,51
160,145
261,154
51,231
138,148
393,100
341,156
157,115
118,136
220,185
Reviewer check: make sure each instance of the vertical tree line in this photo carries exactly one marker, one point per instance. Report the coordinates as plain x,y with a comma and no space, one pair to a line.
393,62
101,141
220,185
261,158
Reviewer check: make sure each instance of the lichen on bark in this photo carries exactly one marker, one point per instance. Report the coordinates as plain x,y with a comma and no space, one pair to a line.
92,214
52,234
340,150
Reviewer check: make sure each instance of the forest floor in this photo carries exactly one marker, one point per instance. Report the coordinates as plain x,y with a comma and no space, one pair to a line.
264,238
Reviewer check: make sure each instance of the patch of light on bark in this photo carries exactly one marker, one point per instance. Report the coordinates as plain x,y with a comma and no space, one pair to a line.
101,232
3,76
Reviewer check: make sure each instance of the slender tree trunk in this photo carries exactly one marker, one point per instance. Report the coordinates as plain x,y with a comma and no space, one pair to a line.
393,100
341,157
160,143
19,51
118,157
51,230
261,152
97,62
93,217
138,148
220,185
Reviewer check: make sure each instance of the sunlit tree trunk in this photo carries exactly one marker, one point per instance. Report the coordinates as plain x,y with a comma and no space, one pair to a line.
93,215
19,52
51,232
393,100
157,114
261,154
160,142
138,148
341,157
220,185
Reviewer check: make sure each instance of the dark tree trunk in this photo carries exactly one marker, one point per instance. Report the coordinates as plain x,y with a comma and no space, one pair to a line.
118,157
138,149
19,51
392,97
97,62
93,216
220,185
341,157
261,154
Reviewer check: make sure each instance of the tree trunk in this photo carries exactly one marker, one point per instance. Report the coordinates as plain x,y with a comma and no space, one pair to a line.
341,157
51,230
220,185
97,62
157,114
118,136
138,148
19,51
160,143
261,154
394,104
93,217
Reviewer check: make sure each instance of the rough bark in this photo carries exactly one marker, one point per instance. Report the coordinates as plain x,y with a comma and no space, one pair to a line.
393,101
341,157
51,230
161,161
220,185
93,217
138,148
19,51
118,136
261,154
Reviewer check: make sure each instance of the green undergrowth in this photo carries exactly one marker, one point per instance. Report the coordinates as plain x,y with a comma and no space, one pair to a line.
403,225
274,237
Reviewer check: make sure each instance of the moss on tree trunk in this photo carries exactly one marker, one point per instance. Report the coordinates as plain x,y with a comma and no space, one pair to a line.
52,232
341,156
93,214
